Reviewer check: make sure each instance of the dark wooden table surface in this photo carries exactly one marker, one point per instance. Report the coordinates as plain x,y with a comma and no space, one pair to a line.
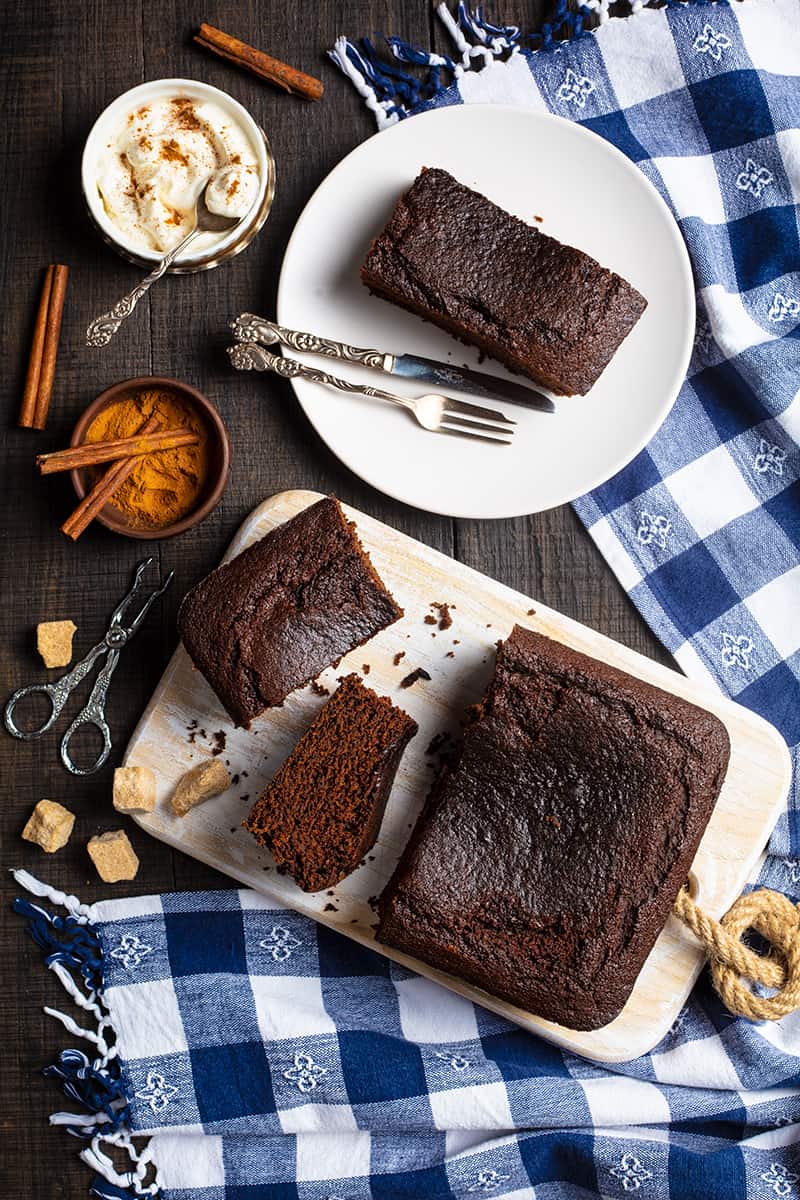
61,65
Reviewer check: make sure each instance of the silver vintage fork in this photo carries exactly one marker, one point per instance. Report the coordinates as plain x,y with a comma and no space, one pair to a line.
439,414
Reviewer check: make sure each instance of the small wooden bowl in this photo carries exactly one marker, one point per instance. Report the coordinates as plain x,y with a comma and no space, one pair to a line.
219,455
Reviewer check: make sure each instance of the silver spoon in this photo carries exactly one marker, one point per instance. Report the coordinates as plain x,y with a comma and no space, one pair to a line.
103,328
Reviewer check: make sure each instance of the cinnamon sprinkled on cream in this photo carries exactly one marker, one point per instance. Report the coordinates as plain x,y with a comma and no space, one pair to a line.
151,173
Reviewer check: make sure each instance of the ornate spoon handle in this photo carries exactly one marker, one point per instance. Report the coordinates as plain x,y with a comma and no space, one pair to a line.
250,328
103,328
247,356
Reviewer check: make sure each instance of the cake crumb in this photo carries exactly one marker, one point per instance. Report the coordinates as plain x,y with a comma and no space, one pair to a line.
438,741
49,826
207,779
449,654
134,789
330,908
430,619
410,680
456,641
219,742
234,781
113,856
245,798
398,658
444,618
366,668
319,689
536,217
54,642
531,612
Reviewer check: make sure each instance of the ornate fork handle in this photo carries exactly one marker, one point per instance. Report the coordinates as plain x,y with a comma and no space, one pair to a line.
247,356
250,328
103,328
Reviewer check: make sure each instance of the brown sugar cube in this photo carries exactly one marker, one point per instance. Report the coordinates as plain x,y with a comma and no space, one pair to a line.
134,789
201,783
113,856
49,825
54,642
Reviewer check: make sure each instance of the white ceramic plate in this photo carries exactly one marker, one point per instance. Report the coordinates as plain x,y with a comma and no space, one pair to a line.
590,196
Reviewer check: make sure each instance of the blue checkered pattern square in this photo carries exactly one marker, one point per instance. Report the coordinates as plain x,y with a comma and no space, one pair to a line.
231,1082
732,109
206,943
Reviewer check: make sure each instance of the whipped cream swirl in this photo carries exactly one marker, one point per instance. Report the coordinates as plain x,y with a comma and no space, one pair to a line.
151,172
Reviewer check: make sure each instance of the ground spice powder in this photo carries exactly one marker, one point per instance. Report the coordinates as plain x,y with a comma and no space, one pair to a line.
166,485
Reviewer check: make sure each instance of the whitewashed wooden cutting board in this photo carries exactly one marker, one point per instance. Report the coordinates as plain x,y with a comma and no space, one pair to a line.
460,662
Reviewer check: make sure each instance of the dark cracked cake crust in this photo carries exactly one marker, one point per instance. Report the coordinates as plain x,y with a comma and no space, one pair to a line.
283,610
545,309
323,809
548,858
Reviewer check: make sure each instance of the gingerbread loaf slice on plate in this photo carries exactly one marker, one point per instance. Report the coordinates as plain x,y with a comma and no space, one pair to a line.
543,308
285,608
547,860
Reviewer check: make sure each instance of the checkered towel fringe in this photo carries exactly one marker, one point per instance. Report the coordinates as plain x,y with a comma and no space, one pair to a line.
73,953
393,92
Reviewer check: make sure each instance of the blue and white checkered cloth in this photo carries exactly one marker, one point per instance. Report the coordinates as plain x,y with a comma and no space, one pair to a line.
270,1058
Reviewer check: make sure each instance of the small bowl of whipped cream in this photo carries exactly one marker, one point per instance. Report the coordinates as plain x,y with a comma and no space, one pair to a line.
150,154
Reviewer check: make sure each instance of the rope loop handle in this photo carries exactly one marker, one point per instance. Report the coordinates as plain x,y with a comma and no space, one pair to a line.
777,919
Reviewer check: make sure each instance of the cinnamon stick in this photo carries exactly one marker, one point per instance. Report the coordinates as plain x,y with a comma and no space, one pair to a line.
52,334
91,454
104,489
28,408
258,63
